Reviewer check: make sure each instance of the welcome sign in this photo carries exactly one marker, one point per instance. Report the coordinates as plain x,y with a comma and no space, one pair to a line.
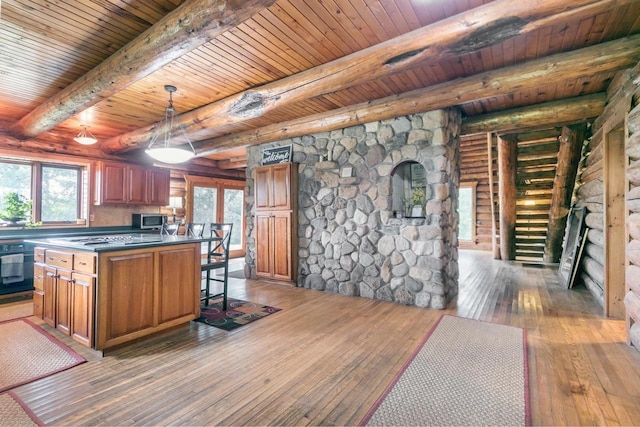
275,155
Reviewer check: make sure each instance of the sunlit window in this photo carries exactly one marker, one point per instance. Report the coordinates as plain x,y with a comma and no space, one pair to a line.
467,212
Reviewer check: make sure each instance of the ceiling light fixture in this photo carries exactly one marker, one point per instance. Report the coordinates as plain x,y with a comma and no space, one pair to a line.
85,137
160,147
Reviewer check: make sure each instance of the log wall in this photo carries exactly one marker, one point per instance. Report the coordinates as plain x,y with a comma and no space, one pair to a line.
632,296
622,106
474,167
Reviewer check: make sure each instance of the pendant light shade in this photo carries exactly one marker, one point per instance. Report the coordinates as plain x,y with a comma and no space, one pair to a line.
85,137
161,148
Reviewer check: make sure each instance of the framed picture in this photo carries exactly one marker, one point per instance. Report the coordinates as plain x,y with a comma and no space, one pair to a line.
572,252
416,211
418,175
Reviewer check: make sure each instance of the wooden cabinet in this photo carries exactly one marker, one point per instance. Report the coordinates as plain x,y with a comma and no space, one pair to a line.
128,184
64,292
143,291
273,186
276,221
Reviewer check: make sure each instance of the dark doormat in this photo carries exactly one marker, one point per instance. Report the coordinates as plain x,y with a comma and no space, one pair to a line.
238,313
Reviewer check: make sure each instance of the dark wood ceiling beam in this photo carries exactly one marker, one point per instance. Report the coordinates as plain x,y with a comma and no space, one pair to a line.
605,57
466,32
231,164
555,113
192,24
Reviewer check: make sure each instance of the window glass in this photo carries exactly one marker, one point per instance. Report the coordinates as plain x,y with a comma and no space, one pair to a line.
14,178
205,201
465,212
233,213
59,194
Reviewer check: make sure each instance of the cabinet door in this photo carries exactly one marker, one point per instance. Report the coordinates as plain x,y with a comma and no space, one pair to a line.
49,306
38,303
126,295
281,186
82,303
264,250
281,245
63,301
137,185
112,186
159,182
176,272
263,187
38,276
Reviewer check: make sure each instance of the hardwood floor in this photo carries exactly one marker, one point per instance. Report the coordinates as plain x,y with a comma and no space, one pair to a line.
325,358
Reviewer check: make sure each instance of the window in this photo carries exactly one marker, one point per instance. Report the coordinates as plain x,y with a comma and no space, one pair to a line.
57,191
467,212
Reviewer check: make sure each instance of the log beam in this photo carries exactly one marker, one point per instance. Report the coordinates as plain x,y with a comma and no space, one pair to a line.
571,141
461,34
555,113
192,24
507,160
582,63
495,247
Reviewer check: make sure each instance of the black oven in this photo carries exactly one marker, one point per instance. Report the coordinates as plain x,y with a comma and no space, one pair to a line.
16,268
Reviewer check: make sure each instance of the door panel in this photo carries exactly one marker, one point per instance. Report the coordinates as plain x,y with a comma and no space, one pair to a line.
263,244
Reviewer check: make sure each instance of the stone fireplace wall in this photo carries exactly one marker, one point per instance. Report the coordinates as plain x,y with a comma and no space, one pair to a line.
349,241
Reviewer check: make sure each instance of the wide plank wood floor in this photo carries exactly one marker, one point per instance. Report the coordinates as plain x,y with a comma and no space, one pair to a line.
325,358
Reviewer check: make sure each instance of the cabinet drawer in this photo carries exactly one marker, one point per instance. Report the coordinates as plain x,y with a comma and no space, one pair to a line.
38,276
84,263
38,255
59,259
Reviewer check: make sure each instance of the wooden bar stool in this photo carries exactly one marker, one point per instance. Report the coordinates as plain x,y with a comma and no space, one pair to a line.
217,258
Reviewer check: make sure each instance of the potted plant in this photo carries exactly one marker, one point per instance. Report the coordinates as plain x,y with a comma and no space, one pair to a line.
418,202
16,208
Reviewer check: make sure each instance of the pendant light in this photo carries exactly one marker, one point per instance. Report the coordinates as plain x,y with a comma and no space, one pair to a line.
85,137
161,147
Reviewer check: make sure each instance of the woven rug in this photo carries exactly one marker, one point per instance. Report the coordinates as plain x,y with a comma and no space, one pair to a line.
28,353
14,412
238,313
15,310
466,372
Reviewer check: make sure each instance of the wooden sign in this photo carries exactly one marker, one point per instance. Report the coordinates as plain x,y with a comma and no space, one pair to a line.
276,155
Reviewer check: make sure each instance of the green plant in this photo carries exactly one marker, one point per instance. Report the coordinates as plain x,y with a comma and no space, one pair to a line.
418,196
15,207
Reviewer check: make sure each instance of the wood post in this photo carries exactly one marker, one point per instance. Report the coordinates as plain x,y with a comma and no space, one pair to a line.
507,161
494,228
571,141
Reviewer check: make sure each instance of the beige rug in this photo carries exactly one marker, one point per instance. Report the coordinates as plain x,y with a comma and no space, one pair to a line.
466,372
15,310
14,412
28,353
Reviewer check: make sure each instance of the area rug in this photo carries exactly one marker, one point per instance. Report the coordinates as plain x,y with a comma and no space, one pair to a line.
15,310
28,353
14,412
465,372
238,313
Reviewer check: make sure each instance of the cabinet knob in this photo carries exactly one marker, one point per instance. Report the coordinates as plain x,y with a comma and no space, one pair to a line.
82,263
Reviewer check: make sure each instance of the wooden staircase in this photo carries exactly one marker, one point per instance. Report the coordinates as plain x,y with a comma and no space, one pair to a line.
537,162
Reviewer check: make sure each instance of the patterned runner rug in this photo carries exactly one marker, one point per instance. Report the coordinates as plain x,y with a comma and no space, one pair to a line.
238,313
28,353
14,412
466,372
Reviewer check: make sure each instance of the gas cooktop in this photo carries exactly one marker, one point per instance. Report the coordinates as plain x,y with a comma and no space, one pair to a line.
122,239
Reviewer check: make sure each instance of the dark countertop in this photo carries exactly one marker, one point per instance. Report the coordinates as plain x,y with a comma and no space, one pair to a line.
41,232
136,241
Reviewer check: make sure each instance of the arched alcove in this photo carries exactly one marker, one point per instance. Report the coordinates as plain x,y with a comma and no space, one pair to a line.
408,190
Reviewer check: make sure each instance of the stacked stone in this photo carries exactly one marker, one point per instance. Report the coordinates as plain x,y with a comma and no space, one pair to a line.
349,241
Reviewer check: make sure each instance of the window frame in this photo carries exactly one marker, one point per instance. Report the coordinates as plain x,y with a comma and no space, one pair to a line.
472,185
37,164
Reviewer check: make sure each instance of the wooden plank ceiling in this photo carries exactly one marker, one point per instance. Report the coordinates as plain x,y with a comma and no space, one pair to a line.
46,46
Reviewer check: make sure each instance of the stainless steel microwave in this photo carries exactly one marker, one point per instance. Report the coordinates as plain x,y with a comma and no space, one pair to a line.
148,221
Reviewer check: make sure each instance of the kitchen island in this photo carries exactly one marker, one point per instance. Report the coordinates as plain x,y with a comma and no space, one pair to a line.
105,291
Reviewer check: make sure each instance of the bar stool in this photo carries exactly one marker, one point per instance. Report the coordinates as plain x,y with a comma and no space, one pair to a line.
195,230
217,258
169,229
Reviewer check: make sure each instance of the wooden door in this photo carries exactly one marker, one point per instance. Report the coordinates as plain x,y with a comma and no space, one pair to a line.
82,308
264,249
281,186
49,306
177,266
63,301
113,183
137,185
263,187
281,245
